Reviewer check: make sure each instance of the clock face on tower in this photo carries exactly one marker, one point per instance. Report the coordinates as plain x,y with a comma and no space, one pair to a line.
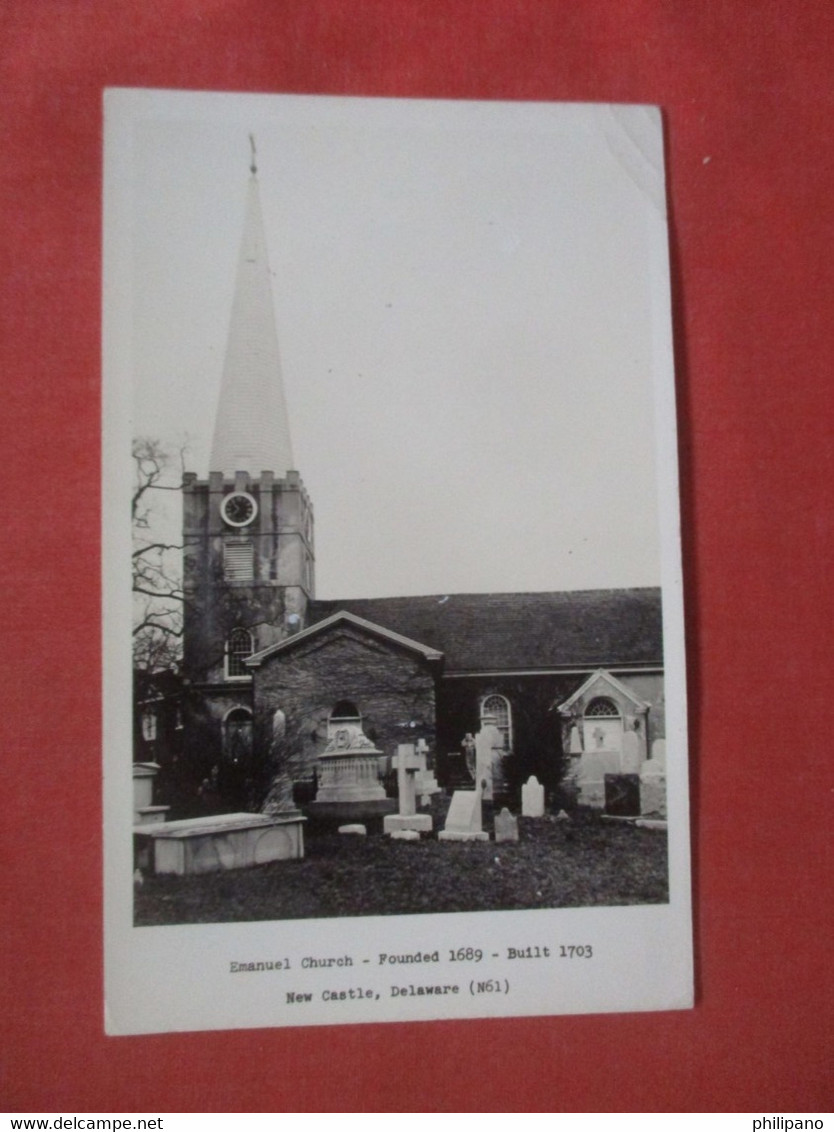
239,509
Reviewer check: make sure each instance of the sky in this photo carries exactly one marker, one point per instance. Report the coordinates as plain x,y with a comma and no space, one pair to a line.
468,297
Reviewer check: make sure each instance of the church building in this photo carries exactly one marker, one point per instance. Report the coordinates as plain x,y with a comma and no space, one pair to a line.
557,673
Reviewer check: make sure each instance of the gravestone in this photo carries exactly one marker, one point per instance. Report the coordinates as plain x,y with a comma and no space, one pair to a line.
489,747
409,765
404,834
354,828
593,767
653,781
425,782
622,795
532,798
464,822
506,826
632,756
348,768
144,811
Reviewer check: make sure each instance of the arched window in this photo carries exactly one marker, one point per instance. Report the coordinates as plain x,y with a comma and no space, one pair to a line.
497,709
237,736
344,712
239,645
602,708
603,725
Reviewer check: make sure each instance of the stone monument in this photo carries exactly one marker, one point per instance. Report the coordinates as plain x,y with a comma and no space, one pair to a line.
489,747
631,755
144,811
653,781
410,763
349,768
426,783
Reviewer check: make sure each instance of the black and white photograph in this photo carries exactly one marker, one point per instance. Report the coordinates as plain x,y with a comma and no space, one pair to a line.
394,656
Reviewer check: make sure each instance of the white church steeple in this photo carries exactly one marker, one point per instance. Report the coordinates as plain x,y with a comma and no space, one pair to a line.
251,431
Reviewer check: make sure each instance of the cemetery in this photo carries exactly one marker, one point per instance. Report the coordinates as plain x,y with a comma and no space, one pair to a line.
468,850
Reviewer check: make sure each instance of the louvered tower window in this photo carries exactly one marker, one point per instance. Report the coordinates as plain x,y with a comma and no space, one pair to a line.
238,560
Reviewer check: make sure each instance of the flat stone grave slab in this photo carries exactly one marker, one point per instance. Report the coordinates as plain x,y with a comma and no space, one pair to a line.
397,823
356,829
224,841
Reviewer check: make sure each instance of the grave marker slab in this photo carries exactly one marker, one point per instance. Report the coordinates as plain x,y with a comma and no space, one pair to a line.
409,764
463,822
622,795
532,798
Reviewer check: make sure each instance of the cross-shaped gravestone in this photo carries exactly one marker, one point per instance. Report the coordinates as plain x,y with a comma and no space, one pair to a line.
409,764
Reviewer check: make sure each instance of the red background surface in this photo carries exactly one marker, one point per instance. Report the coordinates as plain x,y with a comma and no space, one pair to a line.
747,85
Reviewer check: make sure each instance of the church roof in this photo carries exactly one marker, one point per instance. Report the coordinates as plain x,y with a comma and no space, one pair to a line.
338,619
251,432
522,631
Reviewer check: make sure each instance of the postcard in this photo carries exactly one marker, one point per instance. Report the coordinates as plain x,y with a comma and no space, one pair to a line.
395,700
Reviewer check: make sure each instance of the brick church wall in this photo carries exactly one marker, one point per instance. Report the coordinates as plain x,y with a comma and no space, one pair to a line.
392,688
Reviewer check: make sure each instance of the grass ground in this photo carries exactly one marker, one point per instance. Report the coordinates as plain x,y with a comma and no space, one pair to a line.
588,861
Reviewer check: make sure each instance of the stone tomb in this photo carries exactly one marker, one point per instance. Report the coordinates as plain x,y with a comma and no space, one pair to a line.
532,798
409,765
464,821
506,826
224,841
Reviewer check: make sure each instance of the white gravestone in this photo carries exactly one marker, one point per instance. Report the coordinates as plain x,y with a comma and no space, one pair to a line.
532,798
409,764
464,822
590,775
506,826
653,781
426,783
631,753
489,746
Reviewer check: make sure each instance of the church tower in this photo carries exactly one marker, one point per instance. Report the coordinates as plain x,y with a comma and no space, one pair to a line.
248,557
